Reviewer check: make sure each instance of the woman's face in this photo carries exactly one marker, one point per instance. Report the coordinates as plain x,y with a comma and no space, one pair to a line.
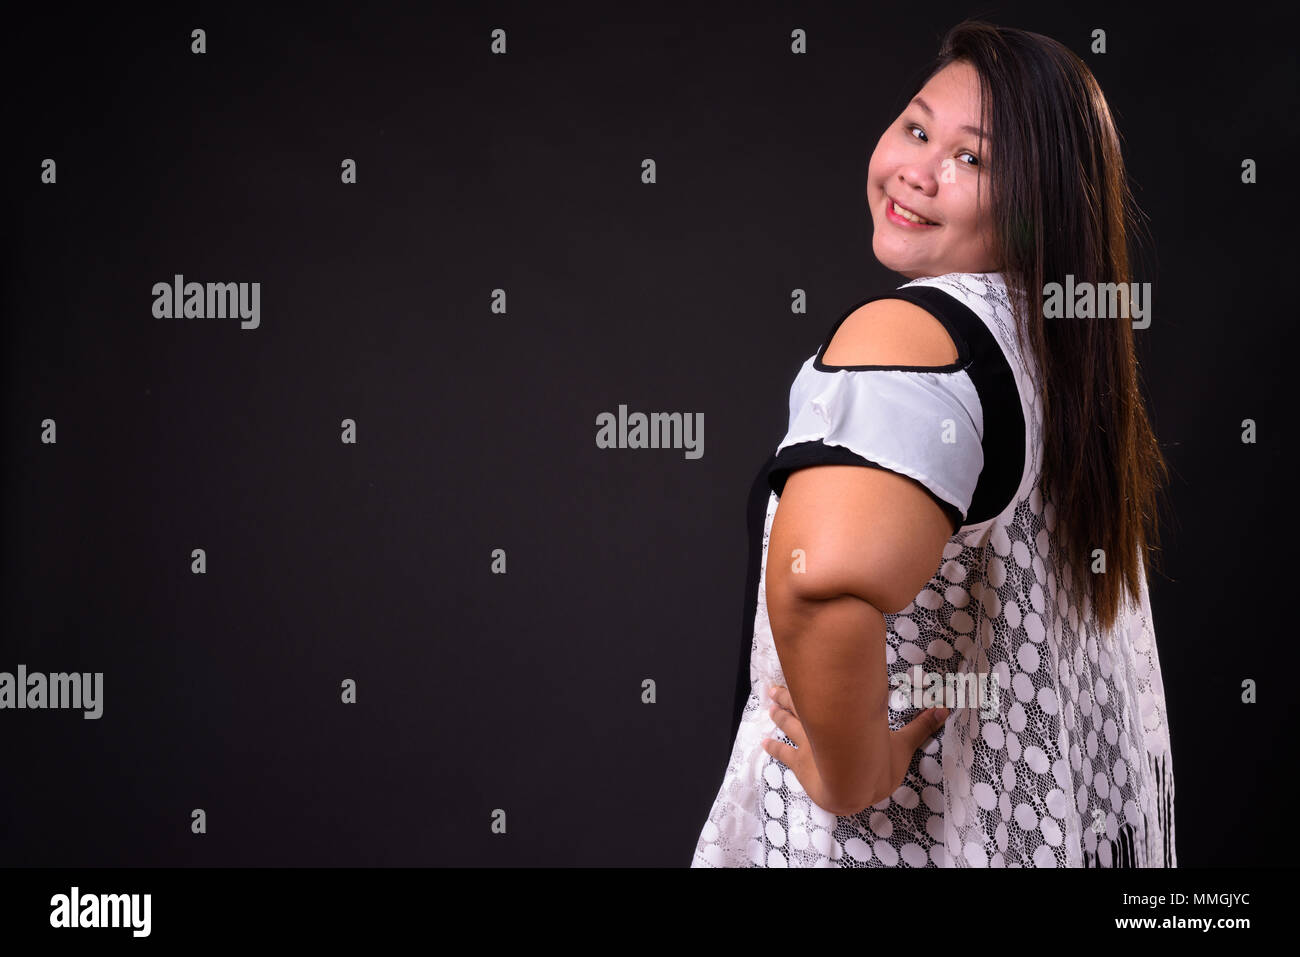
929,162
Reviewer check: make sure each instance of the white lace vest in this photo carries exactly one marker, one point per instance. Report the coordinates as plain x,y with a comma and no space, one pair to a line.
1065,763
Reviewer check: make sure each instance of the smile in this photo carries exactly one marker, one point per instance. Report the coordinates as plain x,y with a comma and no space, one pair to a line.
904,216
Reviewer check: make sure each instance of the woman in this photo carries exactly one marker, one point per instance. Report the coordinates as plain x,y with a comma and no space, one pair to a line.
953,659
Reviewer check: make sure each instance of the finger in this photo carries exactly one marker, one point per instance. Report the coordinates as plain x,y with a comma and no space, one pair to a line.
781,751
921,728
788,723
782,697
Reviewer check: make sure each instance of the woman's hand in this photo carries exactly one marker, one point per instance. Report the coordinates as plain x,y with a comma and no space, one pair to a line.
799,759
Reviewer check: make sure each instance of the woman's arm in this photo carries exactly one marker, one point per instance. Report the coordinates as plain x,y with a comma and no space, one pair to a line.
848,544
832,653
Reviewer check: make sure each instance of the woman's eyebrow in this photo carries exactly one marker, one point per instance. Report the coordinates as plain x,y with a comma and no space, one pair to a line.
973,130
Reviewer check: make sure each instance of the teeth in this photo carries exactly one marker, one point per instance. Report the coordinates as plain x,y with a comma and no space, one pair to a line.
907,214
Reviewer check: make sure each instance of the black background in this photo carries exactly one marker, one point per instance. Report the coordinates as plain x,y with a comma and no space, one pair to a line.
476,431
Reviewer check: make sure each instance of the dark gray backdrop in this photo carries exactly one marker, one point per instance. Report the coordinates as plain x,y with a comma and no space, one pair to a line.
476,431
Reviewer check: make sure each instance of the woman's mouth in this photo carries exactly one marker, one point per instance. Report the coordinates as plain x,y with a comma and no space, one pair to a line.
905,217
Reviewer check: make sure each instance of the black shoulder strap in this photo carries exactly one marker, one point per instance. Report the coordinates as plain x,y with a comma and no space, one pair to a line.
1004,420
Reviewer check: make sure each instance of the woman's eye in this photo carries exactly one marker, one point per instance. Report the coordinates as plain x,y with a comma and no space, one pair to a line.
913,129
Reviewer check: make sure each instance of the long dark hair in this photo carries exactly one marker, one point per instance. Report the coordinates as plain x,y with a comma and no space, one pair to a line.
1061,204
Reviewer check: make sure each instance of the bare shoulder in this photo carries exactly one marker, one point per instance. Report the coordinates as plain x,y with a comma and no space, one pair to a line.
890,332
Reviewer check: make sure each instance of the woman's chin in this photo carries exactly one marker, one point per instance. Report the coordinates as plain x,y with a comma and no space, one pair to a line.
891,260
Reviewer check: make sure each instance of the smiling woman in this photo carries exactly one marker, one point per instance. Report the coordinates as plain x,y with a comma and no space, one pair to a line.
926,185
919,516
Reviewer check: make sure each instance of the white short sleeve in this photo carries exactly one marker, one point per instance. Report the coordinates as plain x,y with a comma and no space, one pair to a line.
928,426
